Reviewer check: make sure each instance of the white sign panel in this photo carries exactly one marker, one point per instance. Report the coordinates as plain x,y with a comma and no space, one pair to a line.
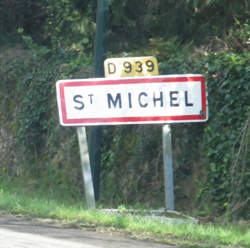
154,99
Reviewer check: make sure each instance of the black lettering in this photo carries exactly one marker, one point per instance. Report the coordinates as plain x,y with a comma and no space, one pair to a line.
90,98
158,99
129,100
173,98
186,100
77,100
117,100
128,67
139,99
111,68
139,64
150,65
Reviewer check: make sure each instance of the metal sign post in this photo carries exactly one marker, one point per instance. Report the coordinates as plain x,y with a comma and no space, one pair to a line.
168,167
95,133
91,186
85,165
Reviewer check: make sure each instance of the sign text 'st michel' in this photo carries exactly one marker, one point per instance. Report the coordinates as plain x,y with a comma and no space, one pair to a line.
157,99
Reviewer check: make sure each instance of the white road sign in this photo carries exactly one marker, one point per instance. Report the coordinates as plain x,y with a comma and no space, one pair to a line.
134,100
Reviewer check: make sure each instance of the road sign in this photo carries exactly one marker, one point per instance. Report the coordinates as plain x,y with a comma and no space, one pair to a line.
155,99
132,66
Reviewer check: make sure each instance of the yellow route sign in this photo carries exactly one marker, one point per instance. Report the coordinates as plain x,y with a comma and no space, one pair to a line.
131,66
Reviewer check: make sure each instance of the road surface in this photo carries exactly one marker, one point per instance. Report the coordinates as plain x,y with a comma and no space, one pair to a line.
29,233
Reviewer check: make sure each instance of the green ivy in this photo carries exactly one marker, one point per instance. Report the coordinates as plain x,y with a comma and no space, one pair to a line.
229,104
28,106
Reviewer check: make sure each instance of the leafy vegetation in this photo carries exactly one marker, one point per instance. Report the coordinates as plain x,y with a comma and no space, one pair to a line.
44,41
228,130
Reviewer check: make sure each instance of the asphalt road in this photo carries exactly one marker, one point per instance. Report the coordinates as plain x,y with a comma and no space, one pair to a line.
29,233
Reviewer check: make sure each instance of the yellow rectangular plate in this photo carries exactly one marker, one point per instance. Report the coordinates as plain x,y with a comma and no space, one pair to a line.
131,66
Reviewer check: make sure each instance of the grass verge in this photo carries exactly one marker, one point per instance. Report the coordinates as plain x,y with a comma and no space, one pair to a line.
41,202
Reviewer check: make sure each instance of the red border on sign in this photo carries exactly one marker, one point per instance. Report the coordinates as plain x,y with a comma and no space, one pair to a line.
124,120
